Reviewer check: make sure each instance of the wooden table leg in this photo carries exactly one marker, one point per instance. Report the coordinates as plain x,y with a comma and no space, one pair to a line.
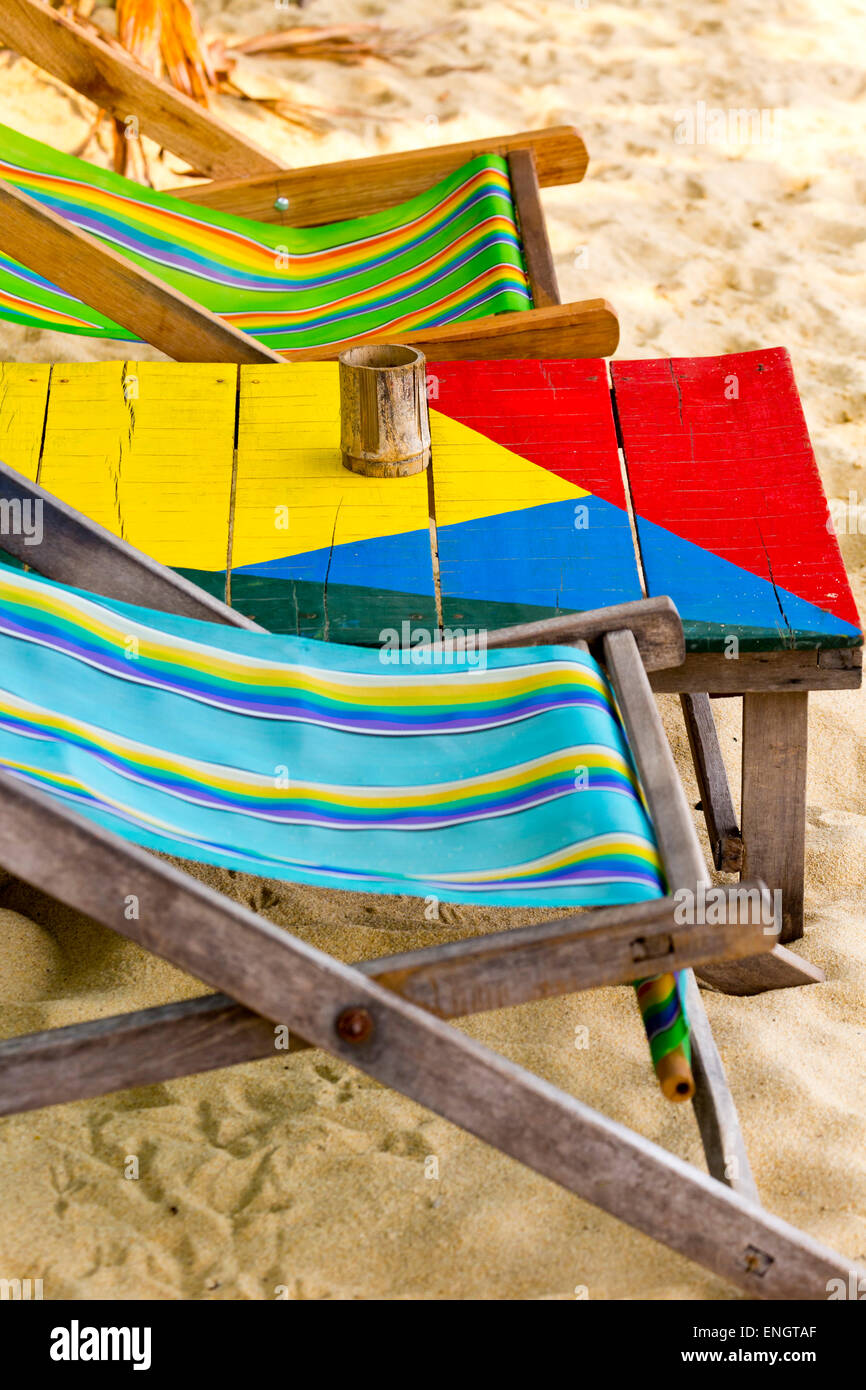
726,842
773,814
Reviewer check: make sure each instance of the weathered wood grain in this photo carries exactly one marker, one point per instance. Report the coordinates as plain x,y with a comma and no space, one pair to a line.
715,1110
653,623
384,415
777,969
537,255
726,842
90,269
586,329
146,449
115,82
530,509
832,669
685,869
499,970
23,401
775,739
423,1057
355,187
76,551
780,969
731,516
302,516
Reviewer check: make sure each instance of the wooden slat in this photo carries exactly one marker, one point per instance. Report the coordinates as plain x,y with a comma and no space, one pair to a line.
460,978
586,329
355,187
832,669
654,624
146,450
672,820
731,516
334,538
415,1053
130,296
726,842
77,551
115,82
23,399
775,737
537,254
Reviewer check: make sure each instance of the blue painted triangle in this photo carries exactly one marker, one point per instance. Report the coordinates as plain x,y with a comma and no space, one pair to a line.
398,563
708,589
575,554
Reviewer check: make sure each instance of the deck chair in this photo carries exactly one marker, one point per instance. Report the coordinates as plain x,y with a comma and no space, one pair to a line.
201,280
387,1017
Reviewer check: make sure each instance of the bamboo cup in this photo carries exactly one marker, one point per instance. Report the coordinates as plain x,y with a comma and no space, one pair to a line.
384,419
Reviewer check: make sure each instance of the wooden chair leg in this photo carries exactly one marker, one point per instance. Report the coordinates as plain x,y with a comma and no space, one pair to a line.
715,1111
684,868
726,842
603,947
340,1009
775,735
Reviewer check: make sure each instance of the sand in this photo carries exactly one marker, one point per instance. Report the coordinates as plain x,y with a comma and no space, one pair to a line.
300,1178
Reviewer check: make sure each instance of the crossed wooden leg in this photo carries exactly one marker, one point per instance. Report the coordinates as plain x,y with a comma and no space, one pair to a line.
357,1019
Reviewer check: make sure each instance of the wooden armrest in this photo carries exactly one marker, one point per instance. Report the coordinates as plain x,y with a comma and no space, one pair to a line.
355,187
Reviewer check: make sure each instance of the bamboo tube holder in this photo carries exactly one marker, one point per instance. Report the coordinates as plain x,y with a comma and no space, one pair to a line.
384,418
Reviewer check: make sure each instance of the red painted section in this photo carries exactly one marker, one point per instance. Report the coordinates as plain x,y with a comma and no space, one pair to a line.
718,452
556,414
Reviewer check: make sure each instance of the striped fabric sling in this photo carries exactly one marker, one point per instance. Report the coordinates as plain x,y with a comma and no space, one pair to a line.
449,254
508,782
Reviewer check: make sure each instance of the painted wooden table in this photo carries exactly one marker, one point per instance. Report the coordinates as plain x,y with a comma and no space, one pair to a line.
553,488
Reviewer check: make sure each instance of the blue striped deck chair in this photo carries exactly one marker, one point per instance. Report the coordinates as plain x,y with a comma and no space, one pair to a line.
538,776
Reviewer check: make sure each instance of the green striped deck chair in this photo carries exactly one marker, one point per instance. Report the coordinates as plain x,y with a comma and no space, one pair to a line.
485,287
532,770
86,252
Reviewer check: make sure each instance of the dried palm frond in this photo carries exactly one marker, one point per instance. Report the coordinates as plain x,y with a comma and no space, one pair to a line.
165,36
336,43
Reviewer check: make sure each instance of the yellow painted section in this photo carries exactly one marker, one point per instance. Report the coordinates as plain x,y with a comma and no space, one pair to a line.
23,397
474,477
293,494
146,450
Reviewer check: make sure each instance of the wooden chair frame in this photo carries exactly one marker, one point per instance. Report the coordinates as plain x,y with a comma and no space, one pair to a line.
169,320
388,1016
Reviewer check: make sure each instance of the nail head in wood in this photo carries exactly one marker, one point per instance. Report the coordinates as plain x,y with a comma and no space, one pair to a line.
355,1025
384,417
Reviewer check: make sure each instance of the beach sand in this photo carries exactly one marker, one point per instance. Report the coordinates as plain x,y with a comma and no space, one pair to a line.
299,1177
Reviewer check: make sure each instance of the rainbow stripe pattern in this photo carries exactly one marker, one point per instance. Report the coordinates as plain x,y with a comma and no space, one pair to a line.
451,253
662,1004
321,764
